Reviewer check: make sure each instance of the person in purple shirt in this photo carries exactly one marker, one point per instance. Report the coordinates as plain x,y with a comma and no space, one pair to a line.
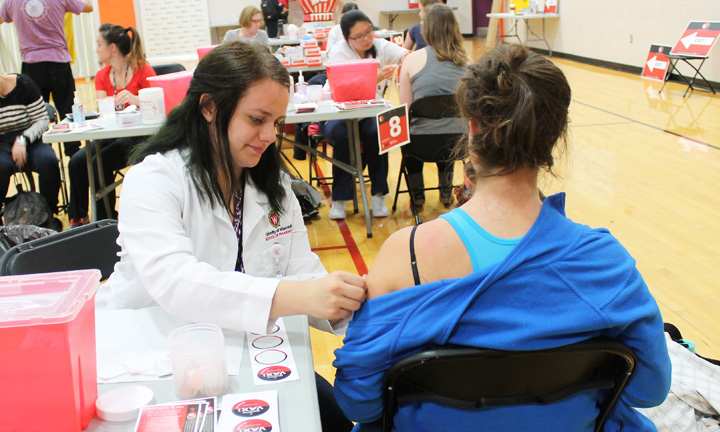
44,48
414,39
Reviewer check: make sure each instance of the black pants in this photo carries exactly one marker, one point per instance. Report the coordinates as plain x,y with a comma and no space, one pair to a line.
331,416
55,79
430,148
41,159
115,157
271,26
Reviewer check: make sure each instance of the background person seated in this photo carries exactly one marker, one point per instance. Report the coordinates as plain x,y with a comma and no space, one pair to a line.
23,119
125,73
431,71
250,21
360,42
414,39
505,271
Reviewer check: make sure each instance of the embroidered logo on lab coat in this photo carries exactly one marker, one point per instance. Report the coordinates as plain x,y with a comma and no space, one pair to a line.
274,218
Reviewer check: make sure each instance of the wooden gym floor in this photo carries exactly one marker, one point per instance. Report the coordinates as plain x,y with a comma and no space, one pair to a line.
643,164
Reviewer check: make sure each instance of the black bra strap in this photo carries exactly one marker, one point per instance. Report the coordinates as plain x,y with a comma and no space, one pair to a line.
413,260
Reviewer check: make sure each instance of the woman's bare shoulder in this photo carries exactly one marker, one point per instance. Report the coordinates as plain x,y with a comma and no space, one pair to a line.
436,248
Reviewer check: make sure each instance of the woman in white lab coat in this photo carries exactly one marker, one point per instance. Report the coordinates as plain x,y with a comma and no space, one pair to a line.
208,222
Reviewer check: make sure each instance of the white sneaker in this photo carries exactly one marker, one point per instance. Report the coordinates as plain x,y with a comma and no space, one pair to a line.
379,209
337,211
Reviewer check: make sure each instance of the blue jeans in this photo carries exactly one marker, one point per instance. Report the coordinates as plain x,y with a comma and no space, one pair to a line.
336,132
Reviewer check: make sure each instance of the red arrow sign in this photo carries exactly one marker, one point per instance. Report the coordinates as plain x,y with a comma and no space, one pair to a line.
698,39
656,64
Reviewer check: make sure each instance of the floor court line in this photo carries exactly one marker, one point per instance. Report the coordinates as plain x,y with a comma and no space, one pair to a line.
357,258
646,124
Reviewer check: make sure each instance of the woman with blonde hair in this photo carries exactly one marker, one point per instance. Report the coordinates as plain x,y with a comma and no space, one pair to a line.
124,75
250,21
432,71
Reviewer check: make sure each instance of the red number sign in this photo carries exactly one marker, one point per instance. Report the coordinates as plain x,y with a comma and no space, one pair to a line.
393,128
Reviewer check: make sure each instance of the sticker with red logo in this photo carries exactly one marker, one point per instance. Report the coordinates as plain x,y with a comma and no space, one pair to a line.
271,357
274,373
255,425
250,408
251,412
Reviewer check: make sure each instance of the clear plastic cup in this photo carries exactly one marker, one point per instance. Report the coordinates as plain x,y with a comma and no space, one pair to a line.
314,93
199,365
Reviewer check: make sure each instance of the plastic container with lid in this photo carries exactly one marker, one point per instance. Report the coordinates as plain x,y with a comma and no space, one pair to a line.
48,366
175,86
353,80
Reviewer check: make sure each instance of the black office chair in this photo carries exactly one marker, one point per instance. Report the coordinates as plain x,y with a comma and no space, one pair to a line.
168,68
91,246
473,378
431,107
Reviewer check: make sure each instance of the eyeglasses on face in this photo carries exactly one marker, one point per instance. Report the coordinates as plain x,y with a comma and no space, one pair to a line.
368,34
259,20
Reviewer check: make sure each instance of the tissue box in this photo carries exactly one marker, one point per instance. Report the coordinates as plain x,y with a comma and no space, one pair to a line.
128,118
48,366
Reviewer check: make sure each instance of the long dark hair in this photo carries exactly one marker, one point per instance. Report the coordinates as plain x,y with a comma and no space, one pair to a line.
225,74
347,22
126,43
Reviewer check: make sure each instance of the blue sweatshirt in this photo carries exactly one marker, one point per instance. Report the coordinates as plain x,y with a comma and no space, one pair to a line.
563,283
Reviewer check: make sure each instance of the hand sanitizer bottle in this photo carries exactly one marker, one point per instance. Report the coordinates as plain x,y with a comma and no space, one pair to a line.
301,85
77,111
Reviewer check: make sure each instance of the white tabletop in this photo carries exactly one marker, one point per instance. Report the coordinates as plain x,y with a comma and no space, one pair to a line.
400,11
297,400
509,15
325,112
110,129
278,41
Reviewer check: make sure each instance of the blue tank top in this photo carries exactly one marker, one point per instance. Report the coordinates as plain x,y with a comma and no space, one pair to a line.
484,248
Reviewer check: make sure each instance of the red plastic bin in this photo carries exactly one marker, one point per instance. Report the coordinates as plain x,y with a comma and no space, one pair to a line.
201,51
353,80
175,86
48,369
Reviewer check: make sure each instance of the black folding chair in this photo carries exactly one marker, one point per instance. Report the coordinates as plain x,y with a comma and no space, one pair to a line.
473,378
431,107
91,246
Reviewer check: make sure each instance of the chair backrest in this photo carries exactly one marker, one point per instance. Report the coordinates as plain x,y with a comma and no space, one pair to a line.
91,246
51,112
435,107
473,378
168,68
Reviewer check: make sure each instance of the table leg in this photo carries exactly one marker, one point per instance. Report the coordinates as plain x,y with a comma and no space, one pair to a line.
91,180
101,180
354,135
671,67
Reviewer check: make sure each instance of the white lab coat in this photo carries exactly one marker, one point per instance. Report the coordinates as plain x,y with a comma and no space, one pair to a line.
180,253
387,53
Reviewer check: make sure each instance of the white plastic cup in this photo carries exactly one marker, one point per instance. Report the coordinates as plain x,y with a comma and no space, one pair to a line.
199,365
152,105
314,93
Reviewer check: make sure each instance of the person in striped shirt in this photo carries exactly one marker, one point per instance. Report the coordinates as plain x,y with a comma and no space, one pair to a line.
23,119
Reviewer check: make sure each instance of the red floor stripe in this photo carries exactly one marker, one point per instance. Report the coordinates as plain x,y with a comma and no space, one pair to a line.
329,248
357,258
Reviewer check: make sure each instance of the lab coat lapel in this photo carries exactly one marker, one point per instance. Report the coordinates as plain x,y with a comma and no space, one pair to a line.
254,209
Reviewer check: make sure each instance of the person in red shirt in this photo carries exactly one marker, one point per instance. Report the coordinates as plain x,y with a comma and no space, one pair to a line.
124,74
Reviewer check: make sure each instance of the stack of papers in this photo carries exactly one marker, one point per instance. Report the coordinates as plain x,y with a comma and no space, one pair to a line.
305,107
185,416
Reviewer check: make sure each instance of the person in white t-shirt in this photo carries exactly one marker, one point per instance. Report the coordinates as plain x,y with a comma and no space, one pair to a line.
335,34
359,43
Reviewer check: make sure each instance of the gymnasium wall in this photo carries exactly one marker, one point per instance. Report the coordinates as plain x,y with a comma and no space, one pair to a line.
621,31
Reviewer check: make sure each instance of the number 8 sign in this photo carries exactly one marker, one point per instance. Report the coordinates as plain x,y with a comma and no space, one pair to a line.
393,128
